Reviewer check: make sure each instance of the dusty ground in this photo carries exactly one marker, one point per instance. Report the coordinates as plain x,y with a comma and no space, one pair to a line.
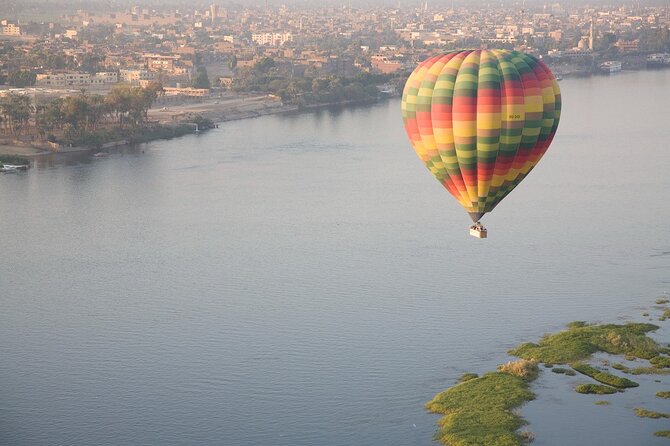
20,150
222,109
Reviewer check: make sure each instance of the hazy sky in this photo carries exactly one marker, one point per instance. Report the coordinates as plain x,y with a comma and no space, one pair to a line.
83,4
51,9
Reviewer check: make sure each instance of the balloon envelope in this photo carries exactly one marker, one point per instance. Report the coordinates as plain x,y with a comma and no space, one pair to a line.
481,120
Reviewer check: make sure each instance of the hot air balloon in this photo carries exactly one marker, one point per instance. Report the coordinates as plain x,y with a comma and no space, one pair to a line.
481,120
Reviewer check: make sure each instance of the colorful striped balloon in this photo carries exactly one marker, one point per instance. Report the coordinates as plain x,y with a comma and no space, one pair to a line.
481,120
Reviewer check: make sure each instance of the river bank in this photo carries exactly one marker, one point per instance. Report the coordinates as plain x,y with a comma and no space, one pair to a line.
241,107
105,139
175,121
13,149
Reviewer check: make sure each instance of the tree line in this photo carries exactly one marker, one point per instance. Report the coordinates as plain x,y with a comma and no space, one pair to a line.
268,77
74,117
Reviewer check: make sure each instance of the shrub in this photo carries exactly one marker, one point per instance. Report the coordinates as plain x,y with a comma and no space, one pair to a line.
14,159
644,413
596,389
604,377
577,324
523,368
203,123
527,436
563,371
648,371
467,377
661,362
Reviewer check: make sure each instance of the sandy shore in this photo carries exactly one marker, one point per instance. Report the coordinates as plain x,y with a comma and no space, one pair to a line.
21,150
221,109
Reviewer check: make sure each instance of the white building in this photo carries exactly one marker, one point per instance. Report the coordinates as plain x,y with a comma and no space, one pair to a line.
105,77
272,39
61,80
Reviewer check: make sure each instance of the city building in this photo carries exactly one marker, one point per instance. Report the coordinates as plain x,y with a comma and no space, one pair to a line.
76,79
10,29
383,64
159,62
272,39
137,76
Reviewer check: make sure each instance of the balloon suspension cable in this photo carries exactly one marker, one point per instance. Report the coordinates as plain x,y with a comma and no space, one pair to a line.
478,230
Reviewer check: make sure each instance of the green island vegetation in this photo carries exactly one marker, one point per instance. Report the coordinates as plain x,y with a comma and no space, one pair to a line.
643,370
14,159
663,394
665,315
665,434
644,413
604,377
481,409
595,389
563,371
654,370
467,377
602,403
662,362
91,120
581,340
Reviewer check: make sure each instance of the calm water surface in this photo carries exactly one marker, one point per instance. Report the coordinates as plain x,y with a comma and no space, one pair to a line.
302,280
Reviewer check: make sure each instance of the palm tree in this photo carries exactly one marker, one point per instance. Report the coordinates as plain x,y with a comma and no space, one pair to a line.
17,110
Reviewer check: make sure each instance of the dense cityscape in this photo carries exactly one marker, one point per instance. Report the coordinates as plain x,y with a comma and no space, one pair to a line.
278,57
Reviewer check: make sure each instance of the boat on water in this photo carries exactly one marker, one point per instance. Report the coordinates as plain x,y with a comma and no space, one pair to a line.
387,89
611,66
658,60
558,77
13,167
9,168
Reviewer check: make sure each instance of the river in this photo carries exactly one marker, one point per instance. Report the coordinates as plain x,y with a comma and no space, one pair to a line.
302,279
